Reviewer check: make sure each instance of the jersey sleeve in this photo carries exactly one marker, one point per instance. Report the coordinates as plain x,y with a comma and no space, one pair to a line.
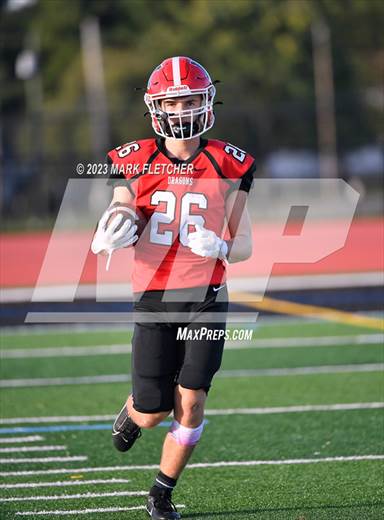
115,176
246,179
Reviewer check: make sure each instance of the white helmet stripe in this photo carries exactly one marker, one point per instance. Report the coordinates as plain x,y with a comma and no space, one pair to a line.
176,71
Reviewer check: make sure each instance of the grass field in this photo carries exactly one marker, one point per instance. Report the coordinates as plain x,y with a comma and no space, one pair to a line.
276,446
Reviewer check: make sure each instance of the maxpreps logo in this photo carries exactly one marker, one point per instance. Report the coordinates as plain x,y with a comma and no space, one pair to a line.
179,89
205,333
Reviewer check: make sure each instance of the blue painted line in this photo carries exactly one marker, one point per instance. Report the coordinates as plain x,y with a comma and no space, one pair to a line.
65,428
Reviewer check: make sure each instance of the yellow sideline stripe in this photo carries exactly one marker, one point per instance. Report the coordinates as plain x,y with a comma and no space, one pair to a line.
301,309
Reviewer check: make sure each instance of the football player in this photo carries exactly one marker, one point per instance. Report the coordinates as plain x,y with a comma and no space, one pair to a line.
193,193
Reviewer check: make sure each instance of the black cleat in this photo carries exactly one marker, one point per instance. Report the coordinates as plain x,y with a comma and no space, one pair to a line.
124,431
161,507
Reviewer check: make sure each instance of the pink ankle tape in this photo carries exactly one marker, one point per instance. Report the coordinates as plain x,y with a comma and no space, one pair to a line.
186,436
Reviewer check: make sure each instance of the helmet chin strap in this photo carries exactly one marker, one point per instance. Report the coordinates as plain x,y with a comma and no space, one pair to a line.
183,130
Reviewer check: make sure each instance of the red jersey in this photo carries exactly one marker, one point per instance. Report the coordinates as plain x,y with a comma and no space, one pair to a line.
176,195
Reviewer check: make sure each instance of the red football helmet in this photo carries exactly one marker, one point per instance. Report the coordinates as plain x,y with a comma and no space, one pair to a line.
177,77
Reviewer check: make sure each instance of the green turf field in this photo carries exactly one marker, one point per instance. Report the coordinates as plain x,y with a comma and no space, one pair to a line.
303,463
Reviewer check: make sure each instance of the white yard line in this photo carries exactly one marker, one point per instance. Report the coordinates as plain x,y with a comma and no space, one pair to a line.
87,511
58,381
295,409
313,341
99,350
57,419
42,459
322,369
24,449
124,378
108,350
53,329
282,462
28,438
76,496
209,411
65,483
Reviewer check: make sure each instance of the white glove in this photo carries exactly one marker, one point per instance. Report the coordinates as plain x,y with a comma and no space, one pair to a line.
205,242
108,239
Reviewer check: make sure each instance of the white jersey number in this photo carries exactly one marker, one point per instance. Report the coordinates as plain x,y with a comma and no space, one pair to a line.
165,238
236,152
123,151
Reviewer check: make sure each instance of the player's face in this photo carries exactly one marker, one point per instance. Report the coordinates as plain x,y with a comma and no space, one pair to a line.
179,104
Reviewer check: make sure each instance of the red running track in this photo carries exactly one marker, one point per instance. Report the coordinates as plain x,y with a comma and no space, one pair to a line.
22,255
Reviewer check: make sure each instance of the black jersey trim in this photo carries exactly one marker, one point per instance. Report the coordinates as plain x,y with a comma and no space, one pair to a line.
216,166
243,183
247,178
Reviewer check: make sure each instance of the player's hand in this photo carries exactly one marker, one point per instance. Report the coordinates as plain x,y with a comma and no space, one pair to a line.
204,242
108,238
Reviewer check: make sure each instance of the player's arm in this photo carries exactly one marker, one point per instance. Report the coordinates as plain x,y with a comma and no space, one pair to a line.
239,225
109,236
122,192
123,195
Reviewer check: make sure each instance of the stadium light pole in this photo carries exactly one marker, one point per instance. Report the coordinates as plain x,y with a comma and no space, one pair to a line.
27,69
325,99
91,47
94,85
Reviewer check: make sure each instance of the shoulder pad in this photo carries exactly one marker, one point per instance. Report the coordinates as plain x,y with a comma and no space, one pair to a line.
232,160
133,152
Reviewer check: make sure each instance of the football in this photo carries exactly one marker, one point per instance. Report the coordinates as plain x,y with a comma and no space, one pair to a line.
128,212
